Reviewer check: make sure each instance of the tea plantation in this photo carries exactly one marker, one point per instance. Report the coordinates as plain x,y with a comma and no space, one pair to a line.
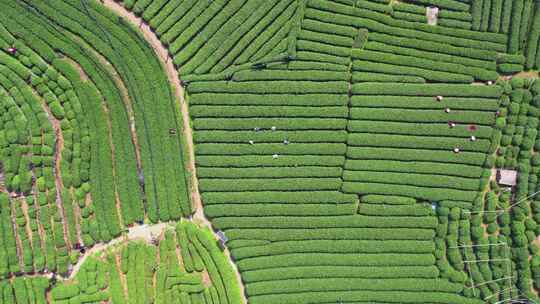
299,151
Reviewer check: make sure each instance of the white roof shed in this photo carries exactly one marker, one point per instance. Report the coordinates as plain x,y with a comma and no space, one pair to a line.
507,177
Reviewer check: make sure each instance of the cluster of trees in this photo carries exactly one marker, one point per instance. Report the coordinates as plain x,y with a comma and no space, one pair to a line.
52,78
9,262
89,285
36,162
503,234
518,120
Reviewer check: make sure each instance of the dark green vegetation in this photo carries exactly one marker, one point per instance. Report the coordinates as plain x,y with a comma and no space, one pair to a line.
185,265
345,147
85,134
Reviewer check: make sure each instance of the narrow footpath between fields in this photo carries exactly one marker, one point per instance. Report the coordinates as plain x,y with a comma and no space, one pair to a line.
145,232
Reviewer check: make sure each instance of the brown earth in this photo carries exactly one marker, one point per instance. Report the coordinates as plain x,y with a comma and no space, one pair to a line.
57,159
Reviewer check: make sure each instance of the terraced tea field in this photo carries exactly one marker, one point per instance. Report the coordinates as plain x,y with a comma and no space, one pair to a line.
269,151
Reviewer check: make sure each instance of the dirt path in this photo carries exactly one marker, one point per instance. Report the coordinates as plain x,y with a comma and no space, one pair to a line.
24,209
78,218
143,232
18,242
40,228
57,173
172,75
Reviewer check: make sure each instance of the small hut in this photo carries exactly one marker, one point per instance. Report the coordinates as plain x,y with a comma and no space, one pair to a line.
506,177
